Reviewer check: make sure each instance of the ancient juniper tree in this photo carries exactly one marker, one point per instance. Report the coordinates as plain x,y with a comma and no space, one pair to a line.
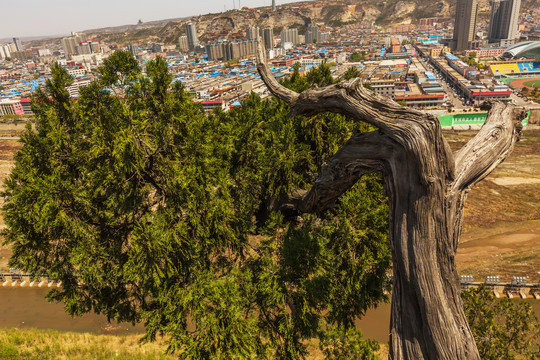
427,185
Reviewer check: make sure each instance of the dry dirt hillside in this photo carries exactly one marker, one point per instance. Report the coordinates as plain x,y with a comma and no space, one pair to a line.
232,24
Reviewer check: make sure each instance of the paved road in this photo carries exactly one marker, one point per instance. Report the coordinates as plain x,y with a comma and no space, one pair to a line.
454,99
456,102
519,101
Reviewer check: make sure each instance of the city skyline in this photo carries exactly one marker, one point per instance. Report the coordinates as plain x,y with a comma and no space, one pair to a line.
60,17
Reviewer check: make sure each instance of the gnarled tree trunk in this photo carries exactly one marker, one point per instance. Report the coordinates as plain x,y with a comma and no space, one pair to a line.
427,186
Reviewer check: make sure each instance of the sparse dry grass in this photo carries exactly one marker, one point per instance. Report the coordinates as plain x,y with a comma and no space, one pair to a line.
316,354
49,344
17,344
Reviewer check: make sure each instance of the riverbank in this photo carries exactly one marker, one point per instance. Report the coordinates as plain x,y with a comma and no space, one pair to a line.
27,319
33,344
36,344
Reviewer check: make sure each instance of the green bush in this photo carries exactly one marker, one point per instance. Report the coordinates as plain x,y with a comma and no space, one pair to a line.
502,328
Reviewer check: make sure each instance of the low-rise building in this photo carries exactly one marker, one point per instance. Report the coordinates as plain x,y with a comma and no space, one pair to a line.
384,87
211,105
486,52
11,107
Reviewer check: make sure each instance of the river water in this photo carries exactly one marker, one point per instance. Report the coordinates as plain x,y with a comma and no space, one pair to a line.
28,308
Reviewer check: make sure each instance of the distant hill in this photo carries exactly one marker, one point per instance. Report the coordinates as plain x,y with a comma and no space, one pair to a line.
25,39
233,23
134,27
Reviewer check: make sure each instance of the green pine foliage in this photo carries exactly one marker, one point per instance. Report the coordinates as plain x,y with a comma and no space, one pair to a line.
356,57
502,328
149,210
351,73
347,343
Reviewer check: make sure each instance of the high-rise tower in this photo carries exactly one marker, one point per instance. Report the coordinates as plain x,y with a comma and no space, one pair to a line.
71,43
289,36
18,44
312,34
465,24
191,33
268,38
252,33
182,41
503,24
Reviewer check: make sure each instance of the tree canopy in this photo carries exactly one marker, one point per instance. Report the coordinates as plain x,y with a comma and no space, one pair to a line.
149,210
356,57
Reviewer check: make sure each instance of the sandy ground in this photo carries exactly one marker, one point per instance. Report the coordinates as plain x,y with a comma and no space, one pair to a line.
512,253
501,232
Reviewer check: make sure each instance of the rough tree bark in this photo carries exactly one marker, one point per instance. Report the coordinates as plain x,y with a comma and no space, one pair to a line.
427,186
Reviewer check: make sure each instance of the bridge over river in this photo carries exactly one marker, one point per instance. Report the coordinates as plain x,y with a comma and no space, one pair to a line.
26,307
517,287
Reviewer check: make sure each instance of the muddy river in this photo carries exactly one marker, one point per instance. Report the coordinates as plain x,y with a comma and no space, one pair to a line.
27,308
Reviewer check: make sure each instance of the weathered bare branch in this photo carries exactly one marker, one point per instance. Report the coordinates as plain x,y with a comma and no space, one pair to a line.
408,127
347,97
495,140
275,88
353,99
478,158
364,153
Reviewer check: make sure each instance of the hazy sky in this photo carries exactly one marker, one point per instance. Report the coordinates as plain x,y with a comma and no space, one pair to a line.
22,18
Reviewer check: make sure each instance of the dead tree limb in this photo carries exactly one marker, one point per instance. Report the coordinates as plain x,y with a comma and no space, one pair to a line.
427,186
